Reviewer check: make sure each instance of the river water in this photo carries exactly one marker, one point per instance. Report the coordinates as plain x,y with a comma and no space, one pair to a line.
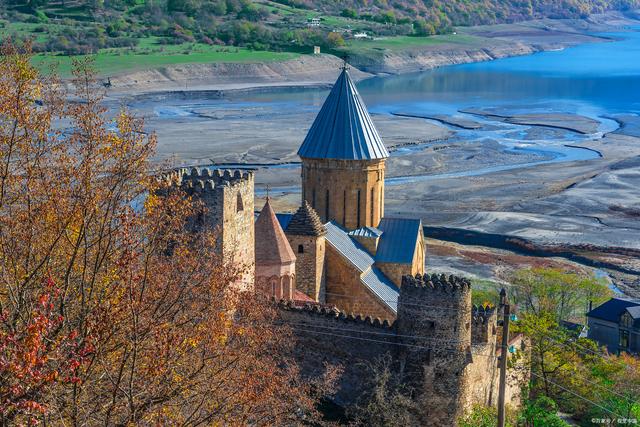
593,80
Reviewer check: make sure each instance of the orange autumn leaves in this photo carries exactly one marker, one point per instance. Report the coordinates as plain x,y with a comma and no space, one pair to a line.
110,312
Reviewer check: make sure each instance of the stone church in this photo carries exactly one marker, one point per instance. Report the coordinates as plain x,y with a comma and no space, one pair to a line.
342,250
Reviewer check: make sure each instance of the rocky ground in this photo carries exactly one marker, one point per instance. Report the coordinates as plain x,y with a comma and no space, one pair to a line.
580,214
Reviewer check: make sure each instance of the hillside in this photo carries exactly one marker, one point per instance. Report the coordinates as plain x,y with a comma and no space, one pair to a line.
150,33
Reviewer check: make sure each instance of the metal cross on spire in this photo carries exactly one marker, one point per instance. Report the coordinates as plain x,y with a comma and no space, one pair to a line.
345,64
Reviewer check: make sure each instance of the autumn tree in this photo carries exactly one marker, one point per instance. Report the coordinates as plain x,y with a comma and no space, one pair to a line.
110,313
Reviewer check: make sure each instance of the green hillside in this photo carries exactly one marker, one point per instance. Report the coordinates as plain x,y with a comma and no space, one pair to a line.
127,33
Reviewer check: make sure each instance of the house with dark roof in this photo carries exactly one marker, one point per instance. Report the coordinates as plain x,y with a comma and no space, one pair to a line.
616,325
348,254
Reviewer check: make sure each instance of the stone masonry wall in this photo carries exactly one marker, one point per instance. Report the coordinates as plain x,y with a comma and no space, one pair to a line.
434,317
346,291
329,337
310,277
344,183
395,271
430,345
228,198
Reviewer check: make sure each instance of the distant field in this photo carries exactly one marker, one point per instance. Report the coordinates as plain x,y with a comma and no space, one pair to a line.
148,54
408,42
151,54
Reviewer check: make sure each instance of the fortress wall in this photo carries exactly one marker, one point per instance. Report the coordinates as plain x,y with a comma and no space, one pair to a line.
327,336
440,345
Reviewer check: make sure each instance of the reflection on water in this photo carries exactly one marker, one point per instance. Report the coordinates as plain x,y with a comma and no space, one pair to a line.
591,80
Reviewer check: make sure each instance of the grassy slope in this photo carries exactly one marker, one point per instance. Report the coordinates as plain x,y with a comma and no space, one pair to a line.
115,60
151,54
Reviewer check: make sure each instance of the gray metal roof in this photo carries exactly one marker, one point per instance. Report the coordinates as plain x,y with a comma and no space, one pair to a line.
634,312
366,232
349,248
612,309
383,288
343,128
399,239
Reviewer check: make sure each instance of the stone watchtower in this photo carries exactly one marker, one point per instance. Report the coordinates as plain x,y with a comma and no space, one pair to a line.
434,321
227,198
306,235
343,160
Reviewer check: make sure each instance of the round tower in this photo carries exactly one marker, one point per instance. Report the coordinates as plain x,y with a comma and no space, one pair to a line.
343,160
434,323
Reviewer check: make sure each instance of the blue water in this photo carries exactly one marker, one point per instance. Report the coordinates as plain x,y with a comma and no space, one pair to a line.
591,79
588,79
594,80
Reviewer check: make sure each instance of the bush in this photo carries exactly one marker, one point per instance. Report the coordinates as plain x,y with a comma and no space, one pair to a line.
42,18
480,416
541,412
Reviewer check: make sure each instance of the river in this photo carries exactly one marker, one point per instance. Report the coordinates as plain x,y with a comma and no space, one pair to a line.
593,80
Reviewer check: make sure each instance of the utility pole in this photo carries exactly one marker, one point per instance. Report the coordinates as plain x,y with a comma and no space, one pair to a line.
503,356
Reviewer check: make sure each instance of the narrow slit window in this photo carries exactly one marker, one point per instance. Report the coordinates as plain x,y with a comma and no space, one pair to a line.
344,208
239,203
358,211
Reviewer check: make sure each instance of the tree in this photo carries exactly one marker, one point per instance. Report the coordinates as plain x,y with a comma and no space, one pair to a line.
335,39
387,402
110,313
423,28
564,294
480,416
349,13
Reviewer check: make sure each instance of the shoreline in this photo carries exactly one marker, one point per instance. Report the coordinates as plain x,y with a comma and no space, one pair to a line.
477,44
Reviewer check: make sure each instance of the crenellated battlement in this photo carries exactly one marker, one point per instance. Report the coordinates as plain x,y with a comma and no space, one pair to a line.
483,324
226,205
196,180
435,283
482,315
332,313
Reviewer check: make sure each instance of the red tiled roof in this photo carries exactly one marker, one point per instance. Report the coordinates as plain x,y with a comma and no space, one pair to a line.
302,297
272,246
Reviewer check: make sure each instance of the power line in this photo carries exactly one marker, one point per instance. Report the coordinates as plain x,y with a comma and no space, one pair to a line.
576,394
390,343
589,381
412,304
417,337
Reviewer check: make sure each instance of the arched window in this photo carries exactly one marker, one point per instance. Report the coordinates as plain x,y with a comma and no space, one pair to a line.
313,200
239,203
344,208
326,206
300,249
372,205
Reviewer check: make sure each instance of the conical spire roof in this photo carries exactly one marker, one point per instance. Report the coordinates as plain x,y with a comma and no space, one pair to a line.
272,246
343,129
306,222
